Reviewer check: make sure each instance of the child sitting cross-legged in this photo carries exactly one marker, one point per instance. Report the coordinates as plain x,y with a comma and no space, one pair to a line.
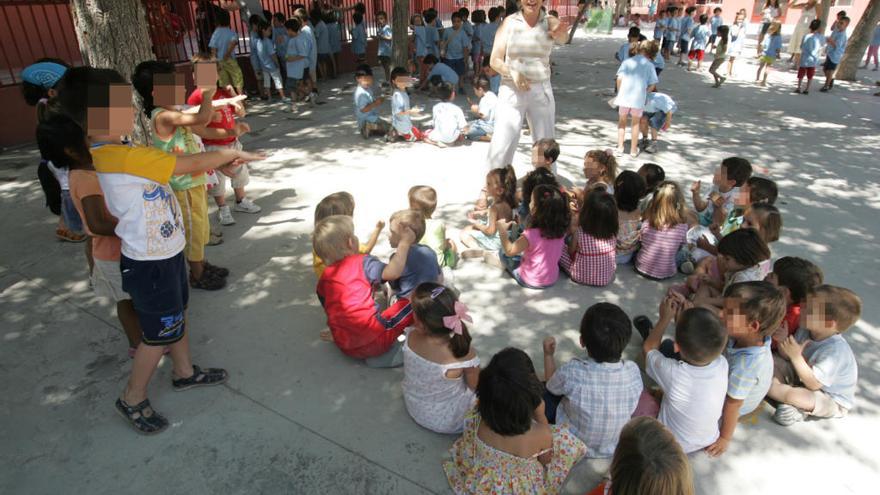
539,176
629,188
691,371
654,175
449,124
421,261
591,257
482,128
817,373
482,236
507,445
663,232
752,312
440,367
366,105
740,254
648,460
726,181
424,200
795,277
341,203
599,391
360,327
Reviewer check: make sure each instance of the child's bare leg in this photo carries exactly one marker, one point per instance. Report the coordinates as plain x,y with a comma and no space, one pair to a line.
798,397
760,68
197,268
730,66
146,358
634,139
653,134
129,320
181,357
465,237
621,132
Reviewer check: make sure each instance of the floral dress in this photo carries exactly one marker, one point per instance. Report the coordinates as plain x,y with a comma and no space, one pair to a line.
477,468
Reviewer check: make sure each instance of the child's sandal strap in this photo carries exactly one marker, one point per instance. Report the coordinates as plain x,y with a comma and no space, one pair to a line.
142,417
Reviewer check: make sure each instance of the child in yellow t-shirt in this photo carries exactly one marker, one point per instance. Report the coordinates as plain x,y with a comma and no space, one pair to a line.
341,203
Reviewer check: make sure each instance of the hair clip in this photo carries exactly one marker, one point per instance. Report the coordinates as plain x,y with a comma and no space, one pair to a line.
437,291
609,152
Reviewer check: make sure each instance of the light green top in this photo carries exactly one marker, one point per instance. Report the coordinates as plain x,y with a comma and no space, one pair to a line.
182,142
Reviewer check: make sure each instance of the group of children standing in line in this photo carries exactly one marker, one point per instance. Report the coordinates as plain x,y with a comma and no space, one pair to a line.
747,329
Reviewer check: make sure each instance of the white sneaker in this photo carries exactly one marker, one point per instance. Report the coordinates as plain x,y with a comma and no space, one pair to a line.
651,147
225,215
247,206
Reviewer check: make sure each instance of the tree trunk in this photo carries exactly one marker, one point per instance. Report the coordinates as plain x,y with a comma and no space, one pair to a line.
858,42
822,13
113,34
400,33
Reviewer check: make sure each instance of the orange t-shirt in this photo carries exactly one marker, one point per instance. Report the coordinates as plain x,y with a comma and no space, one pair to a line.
84,183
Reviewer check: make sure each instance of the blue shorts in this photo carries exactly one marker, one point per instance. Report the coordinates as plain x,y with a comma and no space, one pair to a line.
683,45
656,119
456,64
69,214
668,44
829,65
160,293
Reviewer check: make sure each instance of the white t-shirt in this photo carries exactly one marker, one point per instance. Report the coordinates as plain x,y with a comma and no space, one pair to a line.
636,74
833,365
448,122
660,102
487,107
136,190
693,397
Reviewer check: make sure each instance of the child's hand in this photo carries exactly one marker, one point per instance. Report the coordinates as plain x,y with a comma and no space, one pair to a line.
549,346
242,128
781,333
380,99
380,225
475,109
503,225
407,235
719,447
717,199
704,244
696,186
790,348
247,156
668,308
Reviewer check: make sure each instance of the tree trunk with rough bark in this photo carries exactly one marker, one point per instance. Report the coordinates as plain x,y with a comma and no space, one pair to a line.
400,33
858,42
113,34
823,11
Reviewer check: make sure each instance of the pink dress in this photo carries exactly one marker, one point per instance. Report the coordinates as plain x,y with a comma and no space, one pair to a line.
656,258
595,261
540,261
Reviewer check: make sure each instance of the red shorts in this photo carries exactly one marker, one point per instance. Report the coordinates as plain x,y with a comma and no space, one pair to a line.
806,71
696,55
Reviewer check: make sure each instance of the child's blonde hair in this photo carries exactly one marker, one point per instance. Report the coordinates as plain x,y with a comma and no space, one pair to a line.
648,459
667,208
607,160
840,305
338,203
650,49
423,199
413,218
332,237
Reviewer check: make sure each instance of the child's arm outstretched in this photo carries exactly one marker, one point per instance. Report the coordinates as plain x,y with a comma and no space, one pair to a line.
374,236
394,269
729,418
200,162
700,204
510,248
166,122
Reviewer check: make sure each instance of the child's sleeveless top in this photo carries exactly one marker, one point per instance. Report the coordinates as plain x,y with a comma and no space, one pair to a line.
528,48
595,261
182,142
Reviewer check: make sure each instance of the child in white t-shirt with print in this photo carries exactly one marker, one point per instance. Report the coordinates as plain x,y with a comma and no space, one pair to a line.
482,128
635,78
450,125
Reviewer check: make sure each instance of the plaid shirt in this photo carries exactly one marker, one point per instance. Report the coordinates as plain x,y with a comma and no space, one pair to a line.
599,400
594,262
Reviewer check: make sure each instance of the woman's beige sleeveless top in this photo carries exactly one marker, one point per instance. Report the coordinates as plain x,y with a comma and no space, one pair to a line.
528,48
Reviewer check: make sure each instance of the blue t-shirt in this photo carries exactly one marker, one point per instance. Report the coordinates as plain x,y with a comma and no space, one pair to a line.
421,266
715,23
252,44
875,40
220,40
673,26
359,39
836,52
700,37
635,74
385,41
445,72
420,34
323,38
475,38
456,43
313,44
279,35
266,54
750,374
772,45
400,103
660,102
432,38
811,50
334,37
487,37
623,52
362,98
659,61
495,83
686,24
658,28
300,46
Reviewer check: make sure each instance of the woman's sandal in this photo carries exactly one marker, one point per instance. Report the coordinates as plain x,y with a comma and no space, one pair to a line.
201,378
142,417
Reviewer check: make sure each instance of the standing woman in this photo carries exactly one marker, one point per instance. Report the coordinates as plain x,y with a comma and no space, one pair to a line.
769,13
521,54
810,11
737,39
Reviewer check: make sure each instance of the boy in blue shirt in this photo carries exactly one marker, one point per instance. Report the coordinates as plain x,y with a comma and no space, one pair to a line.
222,45
714,24
438,73
384,52
670,37
296,60
811,46
358,38
685,25
279,36
365,105
660,25
455,48
700,39
834,52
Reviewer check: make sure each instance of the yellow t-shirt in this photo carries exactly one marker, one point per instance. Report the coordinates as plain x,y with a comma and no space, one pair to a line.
318,263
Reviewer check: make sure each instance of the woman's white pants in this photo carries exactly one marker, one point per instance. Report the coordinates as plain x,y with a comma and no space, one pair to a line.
535,104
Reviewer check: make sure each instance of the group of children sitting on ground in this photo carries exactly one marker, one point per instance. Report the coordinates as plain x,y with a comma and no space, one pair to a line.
746,329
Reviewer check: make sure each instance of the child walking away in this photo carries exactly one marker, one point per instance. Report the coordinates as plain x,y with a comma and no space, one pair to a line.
650,460
811,49
222,44
365,105
358,38
663,232
714,23
383,33
599,392
659,108
424,200
795,278
629,188
635,78
162,90
482,236
817,374
591,255
506,440
268,64
772,46
440,368
533,259
694,379
720,55
449,124
752,312
834,52
361,328
873,48
341,203
401,123
482,128
134,181
700,38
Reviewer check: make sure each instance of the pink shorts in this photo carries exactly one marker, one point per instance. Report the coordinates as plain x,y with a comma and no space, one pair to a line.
635,112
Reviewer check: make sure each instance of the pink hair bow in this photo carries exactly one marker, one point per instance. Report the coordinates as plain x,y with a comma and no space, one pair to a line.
453,322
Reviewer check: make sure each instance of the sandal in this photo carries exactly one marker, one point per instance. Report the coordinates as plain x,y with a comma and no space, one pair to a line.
216,270
201,378
643,325
209,281
142,417
69,235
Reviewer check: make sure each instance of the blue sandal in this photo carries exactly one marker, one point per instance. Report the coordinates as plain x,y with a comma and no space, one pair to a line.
201,378
142,417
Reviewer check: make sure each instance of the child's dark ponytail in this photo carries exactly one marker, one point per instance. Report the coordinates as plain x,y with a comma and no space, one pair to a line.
551,215
432,303
508,182
142,80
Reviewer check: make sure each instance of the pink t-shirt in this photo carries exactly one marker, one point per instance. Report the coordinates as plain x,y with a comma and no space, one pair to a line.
540,261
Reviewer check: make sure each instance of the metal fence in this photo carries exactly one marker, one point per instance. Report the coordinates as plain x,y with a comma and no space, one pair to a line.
33,29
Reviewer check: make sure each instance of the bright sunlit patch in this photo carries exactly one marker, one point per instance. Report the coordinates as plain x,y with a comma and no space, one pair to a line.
551,306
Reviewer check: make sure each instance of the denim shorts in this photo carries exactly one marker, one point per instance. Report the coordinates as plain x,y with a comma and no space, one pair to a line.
160,293
656,119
